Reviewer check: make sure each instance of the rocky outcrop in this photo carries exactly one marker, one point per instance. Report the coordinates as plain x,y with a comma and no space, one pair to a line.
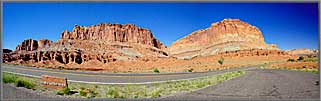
113,33
303,51
31,45
227,35
63,57
103,43
44,43
6,50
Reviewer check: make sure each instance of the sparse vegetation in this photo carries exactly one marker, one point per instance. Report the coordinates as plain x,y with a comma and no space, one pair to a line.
61,67
65,91
311,59
190,70
221,60
18,81
140,90
24,83
157,89
113,92
300,58
304,59
9,78
291,60
303,69
89,93
315,71
155,70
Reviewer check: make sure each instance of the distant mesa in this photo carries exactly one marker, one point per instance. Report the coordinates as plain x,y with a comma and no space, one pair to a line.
302,52
226,35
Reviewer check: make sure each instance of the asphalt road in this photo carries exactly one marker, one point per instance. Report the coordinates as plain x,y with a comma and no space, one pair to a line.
260,84
255,84
110,78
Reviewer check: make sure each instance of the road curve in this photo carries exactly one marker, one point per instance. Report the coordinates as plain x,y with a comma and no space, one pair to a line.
110,78
258,84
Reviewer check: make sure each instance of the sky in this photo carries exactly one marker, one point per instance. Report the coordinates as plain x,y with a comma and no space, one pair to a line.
288,25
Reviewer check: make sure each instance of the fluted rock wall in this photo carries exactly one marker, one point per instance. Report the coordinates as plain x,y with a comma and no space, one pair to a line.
113,32
102,42
31,45
63,57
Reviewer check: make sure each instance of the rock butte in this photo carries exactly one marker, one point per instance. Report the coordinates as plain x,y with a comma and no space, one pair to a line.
102,42
227,35
113,33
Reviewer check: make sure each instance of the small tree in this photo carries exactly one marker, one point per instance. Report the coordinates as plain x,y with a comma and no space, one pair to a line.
220,61
190,70
155,70
301,58
291,60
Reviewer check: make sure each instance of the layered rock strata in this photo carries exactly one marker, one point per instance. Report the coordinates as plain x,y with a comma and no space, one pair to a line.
113,33
226,35
31,45
103,42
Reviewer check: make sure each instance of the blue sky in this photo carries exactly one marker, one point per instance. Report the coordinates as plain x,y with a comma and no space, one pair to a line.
289,26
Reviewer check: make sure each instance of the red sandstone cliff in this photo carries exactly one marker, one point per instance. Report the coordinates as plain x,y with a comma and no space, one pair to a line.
103,43
113,33
226,35
31,45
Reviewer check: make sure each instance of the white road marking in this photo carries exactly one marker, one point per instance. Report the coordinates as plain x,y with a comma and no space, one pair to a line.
125,83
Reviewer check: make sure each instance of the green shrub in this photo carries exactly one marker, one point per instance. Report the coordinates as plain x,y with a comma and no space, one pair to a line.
82,93
156,93
9,78
291,60
312,59
220,61
155,70
113,93
300,58
190,70
18,81
65,91
61,67
24,83
87,93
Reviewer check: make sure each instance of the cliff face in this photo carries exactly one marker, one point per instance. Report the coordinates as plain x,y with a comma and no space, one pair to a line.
227,35
103,43
113,33
31,45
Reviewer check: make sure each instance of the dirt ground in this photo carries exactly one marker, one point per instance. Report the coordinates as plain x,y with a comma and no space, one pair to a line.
295,65
167,65
146,65
307,62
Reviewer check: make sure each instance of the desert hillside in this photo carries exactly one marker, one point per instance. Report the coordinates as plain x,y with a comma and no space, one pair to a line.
226,35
